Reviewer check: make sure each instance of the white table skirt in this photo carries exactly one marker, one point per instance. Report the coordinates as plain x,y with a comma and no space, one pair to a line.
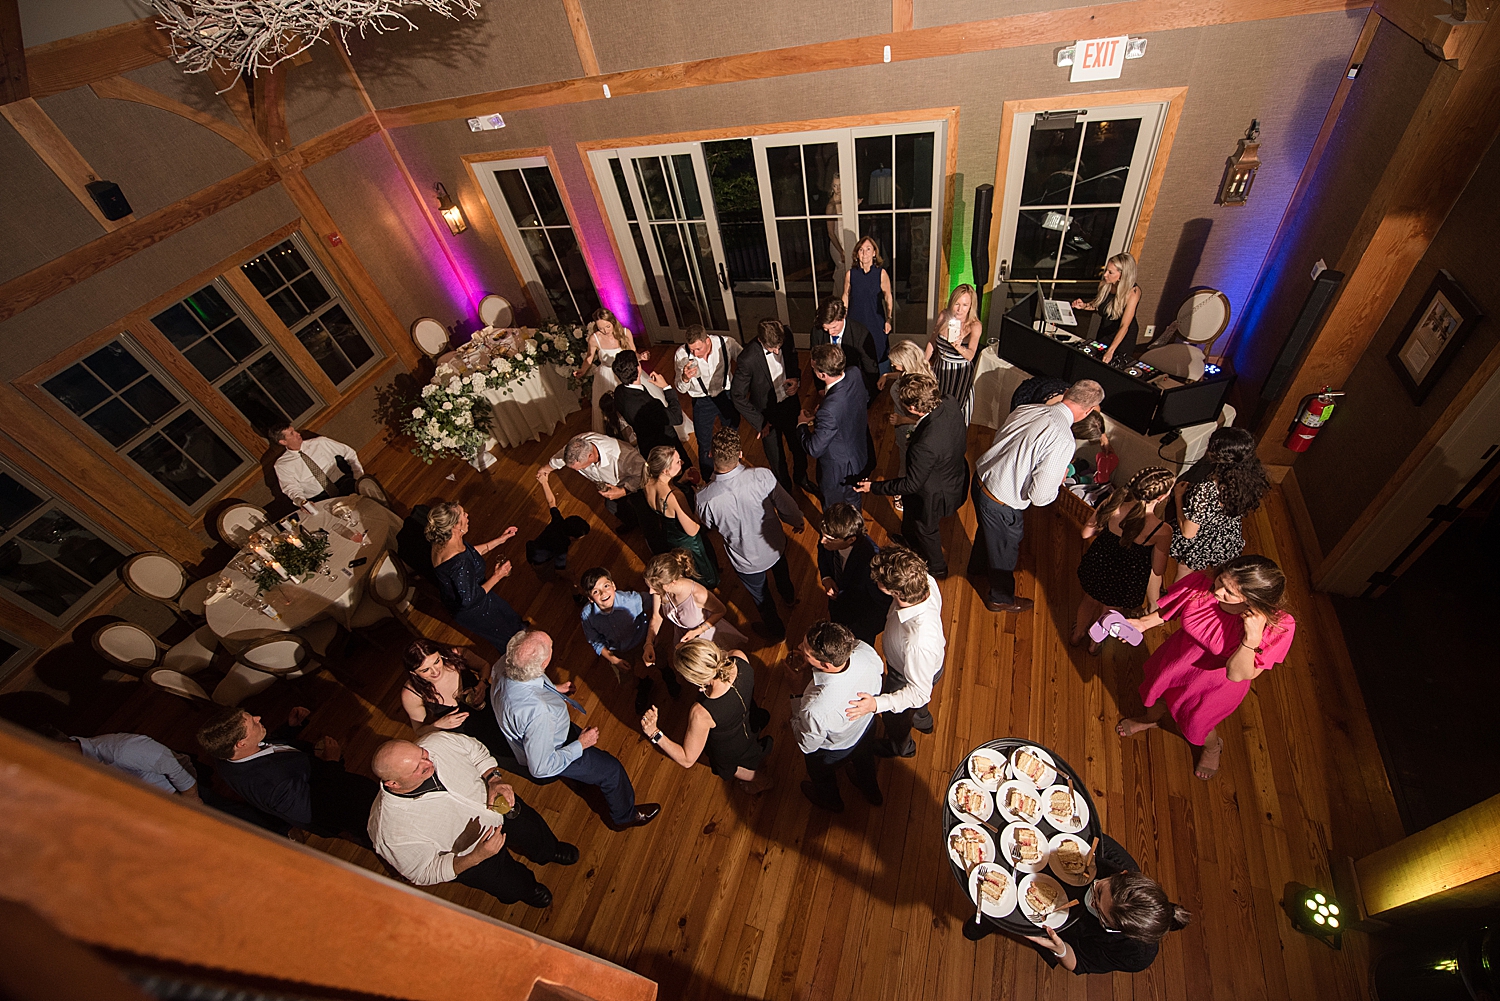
527,409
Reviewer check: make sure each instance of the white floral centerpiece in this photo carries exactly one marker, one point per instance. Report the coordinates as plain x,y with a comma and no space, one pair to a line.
563,346
451,419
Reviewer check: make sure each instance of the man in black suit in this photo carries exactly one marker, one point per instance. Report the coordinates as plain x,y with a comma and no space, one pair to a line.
838,439
832,327
301,784
844,555
652,421
937,473
764,390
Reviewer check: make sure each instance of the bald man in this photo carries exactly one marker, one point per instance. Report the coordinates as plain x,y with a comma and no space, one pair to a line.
445,814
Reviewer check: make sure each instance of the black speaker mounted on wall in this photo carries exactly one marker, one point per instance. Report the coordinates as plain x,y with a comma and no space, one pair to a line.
979,237
110,199
1325,288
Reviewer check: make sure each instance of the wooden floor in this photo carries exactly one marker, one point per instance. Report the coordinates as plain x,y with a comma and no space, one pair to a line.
727,896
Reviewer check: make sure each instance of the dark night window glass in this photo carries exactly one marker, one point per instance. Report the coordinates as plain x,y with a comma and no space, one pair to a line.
537,209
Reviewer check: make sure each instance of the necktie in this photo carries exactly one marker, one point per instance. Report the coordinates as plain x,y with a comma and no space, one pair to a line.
570,702
317,472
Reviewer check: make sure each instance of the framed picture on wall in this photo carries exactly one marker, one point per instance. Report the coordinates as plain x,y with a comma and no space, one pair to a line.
1432,336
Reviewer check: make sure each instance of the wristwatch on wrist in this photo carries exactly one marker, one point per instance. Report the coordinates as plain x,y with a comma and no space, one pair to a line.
656,737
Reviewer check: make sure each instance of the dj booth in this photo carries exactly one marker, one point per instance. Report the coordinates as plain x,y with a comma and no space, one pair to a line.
1142,405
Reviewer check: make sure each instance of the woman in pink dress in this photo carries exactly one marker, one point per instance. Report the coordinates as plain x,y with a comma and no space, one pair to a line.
1234,627
689,610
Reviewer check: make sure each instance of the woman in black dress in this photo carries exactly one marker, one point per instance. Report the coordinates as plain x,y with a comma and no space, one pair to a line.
1125,915
1123,568
724,720
447,688
459,569
1116,303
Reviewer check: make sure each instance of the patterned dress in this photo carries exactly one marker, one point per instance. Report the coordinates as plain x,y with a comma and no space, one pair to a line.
955,373
1219,539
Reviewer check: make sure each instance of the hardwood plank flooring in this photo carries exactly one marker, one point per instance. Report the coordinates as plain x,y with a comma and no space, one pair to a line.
729,896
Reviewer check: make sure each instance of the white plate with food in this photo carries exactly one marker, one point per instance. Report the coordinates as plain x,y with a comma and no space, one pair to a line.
999,888
969,844
988,768
1038,897
967,799
1019,800
1057,812
1033,764
1024,847
1069,859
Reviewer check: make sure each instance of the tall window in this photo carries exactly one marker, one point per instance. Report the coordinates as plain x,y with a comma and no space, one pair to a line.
894,187
536,225
308,302
149,420
236,358
51,563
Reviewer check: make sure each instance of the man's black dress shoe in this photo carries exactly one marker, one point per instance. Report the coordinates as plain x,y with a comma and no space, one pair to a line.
644,814
539,896
566,854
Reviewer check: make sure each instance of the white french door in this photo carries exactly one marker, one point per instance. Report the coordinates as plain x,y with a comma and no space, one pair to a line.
1073,189
659,203
821,192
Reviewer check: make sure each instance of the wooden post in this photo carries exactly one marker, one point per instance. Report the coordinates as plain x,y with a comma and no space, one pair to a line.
1452,865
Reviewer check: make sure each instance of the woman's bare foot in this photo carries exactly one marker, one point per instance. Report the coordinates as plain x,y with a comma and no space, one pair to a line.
1131,727
1208,762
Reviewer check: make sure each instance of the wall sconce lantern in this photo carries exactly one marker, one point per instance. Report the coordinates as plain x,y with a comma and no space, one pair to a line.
453,215
1240,173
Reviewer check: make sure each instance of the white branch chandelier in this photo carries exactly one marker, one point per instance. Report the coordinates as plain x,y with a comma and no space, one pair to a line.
244,37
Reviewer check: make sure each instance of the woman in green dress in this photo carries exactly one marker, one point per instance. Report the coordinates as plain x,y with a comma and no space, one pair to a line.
682,531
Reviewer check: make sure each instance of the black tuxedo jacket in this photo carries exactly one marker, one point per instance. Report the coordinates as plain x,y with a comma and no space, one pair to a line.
937,472
279,784
859,351
653,423
860,605
751,388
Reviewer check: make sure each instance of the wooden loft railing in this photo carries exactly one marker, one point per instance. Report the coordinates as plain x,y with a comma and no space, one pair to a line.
114,864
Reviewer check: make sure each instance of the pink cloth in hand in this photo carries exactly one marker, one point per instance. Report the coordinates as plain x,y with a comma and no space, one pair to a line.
1112,623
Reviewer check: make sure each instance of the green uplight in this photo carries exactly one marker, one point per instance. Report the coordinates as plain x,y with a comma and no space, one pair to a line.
1312,906
1319,918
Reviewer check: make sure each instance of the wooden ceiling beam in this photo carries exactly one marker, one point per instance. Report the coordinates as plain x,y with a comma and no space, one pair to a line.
13,83
121,88
48,142
582,40
1045,27
1432,23
80,60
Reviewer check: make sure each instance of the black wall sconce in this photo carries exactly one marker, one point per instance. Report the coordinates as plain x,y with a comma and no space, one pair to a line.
453,215
1240,173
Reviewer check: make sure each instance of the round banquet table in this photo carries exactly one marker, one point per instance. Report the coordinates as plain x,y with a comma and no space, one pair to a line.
1015,922
524,411
318,597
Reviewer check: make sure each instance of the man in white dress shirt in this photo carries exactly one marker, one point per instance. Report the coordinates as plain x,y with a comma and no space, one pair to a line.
310,470
705,368
841,666
445,814
1025,466
914,650
616,469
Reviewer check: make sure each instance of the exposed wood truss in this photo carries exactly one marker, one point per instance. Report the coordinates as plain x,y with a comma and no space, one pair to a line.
75,62
121,88
13,83
49,143
581,37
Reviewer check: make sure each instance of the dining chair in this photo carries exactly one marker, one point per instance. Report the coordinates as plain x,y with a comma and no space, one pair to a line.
194,597
430,336
128,647
284,655
237,521
388,592
495,311
177,683
193,654
369,486
1182,360
156,576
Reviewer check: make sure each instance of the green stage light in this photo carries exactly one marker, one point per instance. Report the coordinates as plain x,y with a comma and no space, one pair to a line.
1314,913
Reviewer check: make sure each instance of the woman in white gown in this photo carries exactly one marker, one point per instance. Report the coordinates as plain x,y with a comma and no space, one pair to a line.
690,610
607,337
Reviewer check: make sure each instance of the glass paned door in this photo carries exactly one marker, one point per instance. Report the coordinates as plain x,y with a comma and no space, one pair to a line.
662,197
1074,183
896,186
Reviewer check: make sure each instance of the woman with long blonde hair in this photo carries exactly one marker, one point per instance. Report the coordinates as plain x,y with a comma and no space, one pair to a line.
1123,569
724,720
953,345
1116,302
905,356
678,599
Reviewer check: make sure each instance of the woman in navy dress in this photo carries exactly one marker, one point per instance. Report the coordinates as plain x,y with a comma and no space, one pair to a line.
867,286
466,586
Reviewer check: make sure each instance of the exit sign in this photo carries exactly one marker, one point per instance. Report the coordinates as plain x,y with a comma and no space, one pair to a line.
1098,58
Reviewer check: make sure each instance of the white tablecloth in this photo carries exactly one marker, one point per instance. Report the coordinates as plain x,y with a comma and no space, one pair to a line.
318,597
995,379
524,411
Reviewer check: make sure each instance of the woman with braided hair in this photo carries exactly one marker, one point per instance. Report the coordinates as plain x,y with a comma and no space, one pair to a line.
723,721
1123,569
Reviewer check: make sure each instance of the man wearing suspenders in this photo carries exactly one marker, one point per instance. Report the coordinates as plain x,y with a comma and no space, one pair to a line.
704,367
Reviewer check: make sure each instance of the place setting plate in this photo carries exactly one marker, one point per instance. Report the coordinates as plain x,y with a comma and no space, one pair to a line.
977,796
1001,766
1054,861
1008,839
1018,800
1033,764
1049,887
1007,902
1064,823
987,851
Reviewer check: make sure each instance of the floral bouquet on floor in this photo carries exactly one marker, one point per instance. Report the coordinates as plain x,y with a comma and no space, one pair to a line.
451,419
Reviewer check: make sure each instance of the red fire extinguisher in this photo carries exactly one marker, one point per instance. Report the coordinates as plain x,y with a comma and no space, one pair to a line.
1312,414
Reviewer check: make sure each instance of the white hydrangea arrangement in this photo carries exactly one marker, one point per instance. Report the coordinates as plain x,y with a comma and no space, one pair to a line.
450,419
563,346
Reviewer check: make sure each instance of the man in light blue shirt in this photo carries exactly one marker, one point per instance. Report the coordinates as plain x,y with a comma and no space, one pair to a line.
837,668
616,622
533,715
153,763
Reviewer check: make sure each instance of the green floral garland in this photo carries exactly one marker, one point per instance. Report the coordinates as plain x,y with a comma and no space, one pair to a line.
296,562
